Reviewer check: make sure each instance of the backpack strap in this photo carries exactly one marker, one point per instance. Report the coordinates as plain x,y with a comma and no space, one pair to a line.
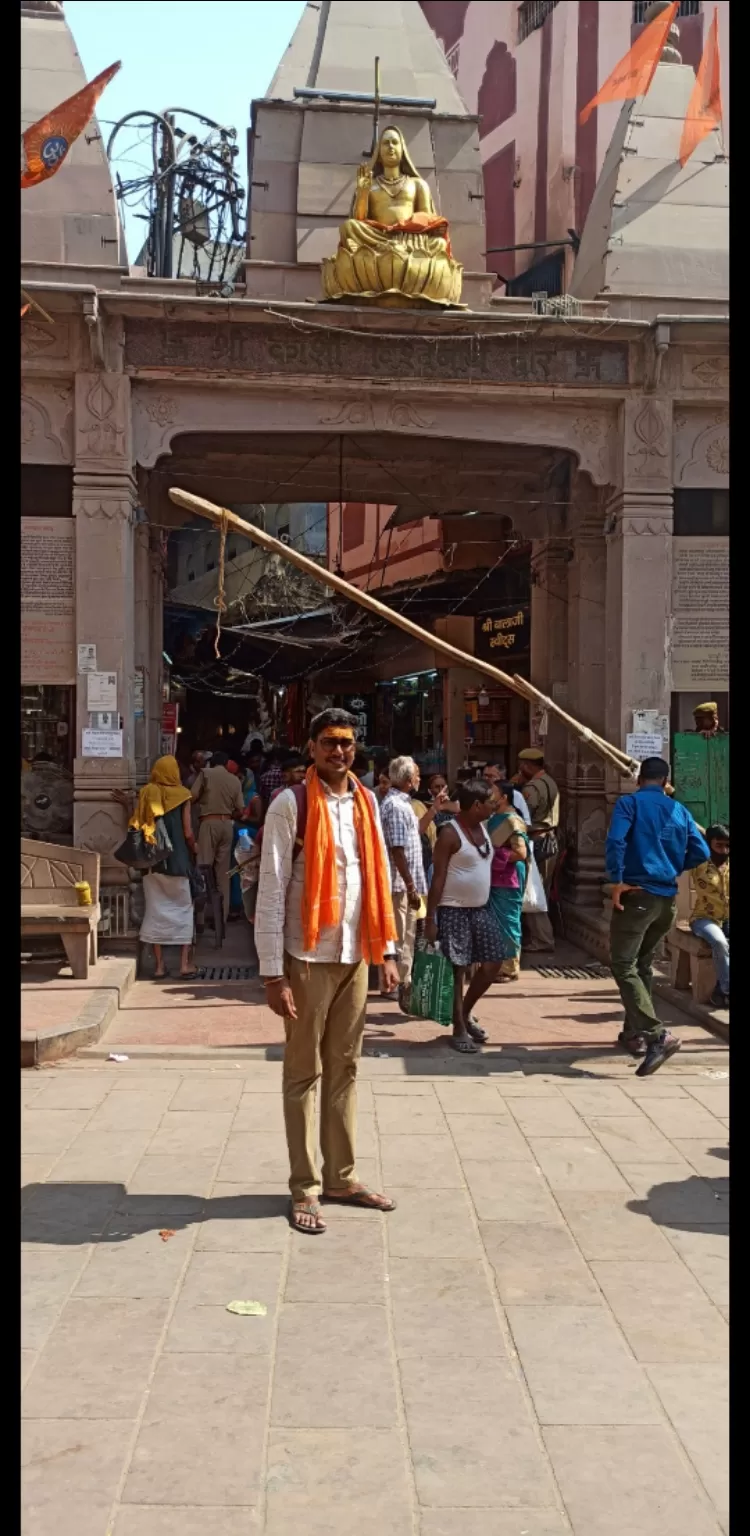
300,794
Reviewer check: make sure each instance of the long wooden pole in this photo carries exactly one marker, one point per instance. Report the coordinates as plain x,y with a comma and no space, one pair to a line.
226,519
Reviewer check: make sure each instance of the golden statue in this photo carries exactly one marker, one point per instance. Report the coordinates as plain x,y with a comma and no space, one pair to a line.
395,250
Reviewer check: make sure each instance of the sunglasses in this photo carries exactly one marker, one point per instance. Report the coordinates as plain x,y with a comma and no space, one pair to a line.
330,743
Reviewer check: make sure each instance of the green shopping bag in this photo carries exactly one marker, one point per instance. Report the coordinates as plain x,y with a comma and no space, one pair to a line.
431,995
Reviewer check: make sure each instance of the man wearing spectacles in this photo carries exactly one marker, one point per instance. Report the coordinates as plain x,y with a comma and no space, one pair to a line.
324,913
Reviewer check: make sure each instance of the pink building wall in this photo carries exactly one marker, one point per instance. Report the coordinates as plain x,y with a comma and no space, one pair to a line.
359,548
540,165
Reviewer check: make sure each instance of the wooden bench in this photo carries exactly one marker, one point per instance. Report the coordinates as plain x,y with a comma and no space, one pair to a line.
691,962
49,901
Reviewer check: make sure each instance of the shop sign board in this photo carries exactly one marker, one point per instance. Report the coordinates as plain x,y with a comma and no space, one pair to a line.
503,634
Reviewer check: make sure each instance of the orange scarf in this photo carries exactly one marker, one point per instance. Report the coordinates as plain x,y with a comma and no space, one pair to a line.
320,904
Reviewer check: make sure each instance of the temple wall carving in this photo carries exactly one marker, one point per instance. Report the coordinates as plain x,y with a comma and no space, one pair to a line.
163,411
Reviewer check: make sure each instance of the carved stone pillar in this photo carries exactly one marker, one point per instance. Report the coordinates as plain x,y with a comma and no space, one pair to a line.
586,802
639,569
104,501
550,558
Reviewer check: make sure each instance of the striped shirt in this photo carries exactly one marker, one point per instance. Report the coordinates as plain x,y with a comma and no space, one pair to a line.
401,830
278,918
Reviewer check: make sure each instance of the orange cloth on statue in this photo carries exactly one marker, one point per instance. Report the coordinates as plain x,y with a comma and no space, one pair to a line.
418,224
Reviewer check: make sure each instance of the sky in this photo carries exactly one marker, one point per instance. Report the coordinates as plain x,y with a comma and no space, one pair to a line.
205,55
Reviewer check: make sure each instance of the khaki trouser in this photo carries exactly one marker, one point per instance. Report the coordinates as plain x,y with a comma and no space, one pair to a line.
323,1044
406,932
215,849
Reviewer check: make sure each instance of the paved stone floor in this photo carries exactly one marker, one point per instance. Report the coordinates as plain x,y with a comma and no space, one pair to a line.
534,1343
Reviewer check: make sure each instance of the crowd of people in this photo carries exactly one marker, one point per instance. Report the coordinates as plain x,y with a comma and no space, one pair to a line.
346,869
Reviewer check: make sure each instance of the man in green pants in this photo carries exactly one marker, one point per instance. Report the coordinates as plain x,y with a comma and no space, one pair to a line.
652,839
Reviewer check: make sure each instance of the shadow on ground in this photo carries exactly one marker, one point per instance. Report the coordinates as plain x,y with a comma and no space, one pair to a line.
686,1205
66,1215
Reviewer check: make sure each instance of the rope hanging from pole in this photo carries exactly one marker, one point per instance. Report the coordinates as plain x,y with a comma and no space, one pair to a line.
221,606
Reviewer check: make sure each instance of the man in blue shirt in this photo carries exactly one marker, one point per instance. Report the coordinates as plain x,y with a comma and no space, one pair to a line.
652,839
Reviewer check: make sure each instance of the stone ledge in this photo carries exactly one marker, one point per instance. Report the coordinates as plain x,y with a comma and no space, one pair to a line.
93,1009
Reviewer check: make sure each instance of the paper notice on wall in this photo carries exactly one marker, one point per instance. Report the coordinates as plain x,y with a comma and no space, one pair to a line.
101,690
48,600
648,721
700,653
101,744
700,602
643,744
87,658
139,693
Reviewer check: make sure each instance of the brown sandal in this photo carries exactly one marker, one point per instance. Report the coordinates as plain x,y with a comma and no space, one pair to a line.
299,1208
361,1196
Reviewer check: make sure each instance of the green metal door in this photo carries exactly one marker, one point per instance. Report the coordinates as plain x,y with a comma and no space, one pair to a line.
701,776
718,778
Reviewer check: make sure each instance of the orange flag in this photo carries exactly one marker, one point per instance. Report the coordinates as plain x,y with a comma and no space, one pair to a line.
633,75
704,111
45,144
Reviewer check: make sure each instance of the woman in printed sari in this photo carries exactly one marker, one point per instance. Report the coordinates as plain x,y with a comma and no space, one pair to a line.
510,863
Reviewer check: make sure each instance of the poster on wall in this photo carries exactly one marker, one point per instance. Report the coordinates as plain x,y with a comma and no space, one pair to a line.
48,625
700,606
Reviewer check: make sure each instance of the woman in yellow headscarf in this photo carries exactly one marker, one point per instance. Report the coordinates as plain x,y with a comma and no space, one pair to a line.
168,917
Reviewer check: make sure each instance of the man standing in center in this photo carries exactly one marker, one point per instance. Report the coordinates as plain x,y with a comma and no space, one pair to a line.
324,914
401,831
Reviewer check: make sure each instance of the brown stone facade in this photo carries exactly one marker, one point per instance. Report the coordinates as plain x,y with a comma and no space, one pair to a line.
601,549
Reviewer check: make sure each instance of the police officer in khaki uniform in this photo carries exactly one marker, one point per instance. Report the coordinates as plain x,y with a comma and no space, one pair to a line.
706,717
542,797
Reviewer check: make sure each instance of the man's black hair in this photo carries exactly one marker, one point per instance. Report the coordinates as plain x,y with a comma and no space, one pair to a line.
292,760
654,770
718,833
329,717
474,789
219,760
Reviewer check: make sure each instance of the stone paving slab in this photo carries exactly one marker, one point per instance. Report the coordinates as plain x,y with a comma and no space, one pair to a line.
532,1344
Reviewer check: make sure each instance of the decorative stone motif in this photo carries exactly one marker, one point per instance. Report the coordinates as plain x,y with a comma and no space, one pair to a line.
38,339
102,420
649,431
45,424
103,832
702,449
377,414
705,371
163,410
292,406
111,511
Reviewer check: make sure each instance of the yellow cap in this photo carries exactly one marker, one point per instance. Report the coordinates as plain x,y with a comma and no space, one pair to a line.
705,709
531,755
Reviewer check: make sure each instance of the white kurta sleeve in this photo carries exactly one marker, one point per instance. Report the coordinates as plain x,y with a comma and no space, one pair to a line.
276,860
